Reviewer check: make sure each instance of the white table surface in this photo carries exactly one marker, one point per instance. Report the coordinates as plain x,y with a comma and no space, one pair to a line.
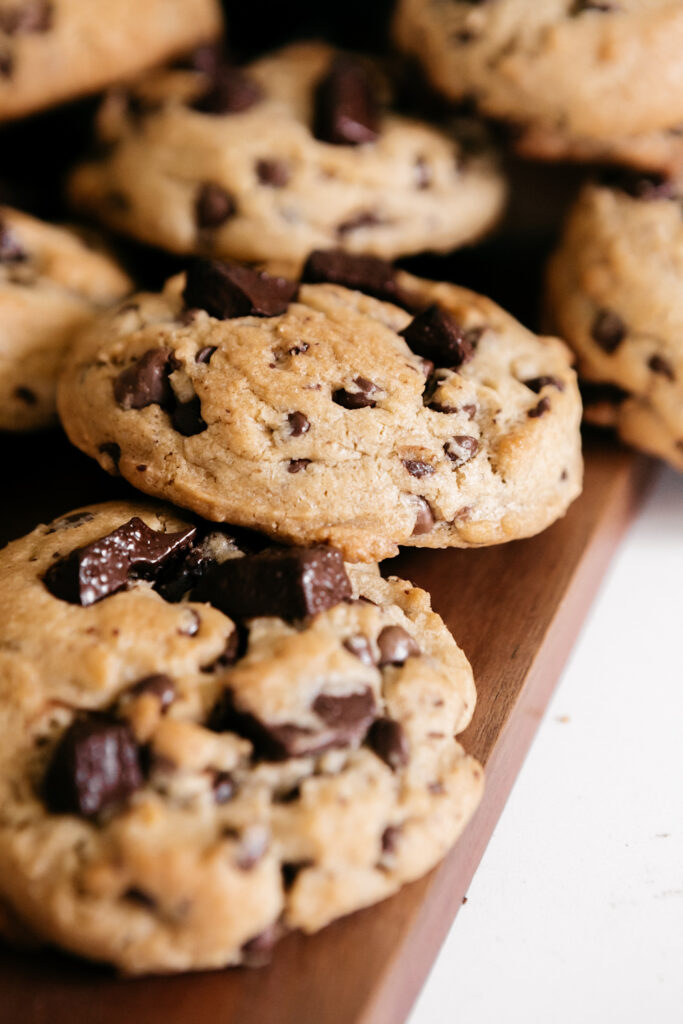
576,911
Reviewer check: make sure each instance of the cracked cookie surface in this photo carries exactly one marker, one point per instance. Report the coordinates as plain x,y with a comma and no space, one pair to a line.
179,787
294,153
51,284
612,291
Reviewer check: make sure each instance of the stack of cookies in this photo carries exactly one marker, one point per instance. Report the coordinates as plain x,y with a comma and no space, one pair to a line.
221,721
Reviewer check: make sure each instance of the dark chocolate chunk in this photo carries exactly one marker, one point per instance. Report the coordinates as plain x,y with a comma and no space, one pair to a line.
298,424
187,417
213,206
26,395
348,716
388,740
230,91
160,686
461,449
424,520
227,290
361,648
291,583
658,364
418,468
436,335
224,787
204,354
274,173
396,645
367,274
360,399
538,410
96,765
183,573
145,382
538,383
11,250
296,465
608,330
346,108
26,17
107,565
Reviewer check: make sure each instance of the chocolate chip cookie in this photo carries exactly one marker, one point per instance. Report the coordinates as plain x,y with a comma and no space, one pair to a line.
298,151
596,80
205,745
612,292
363,407
55,50
51,283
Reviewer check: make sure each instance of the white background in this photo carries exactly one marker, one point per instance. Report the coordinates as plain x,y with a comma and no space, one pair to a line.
576,911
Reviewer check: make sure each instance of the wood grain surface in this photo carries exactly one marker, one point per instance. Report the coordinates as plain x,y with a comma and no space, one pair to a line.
516,611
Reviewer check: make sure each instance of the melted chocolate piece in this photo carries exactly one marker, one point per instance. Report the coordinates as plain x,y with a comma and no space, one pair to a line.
204,354
361,399
388,740
417,468
349,716
367,274
396,645
227,290
538,383
291,583
160,686
296,465
346,104
187,417
107,565
424,520
298,424
95,766
461,449
274,173
658,364
145,382
230,91
608,330
437,336
539,410
214,206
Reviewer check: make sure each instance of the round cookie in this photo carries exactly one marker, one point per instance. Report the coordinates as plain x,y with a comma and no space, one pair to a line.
614,293
295,153
334,417
178,787
55,50
51,284
595,80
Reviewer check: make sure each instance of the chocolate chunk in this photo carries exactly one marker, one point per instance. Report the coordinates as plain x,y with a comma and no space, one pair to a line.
396,645
417,468
11,250
361,648
145,382
388,740
348,716
204,354
227,290
390,838
360,399
274,173
224,787
96,765
538,410
160,686
187,417
471,410
436,335
230,91
608,330
107,565
658,364
424,520
26,396
538,383
298,424
183,573
346,108
26,17
296,465
367,274
362,219
113,451
213,206
291,583
70,521
461,449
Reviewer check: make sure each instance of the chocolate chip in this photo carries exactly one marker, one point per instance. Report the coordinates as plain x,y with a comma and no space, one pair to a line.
298,424
436,335
658,364
367,274
224,787
608,330
113,451
396,645
363,219
538,383
274,173
230,91
296,465
107,565
361,648
213,206
70,521
424,520
140,898
204,354
298,350
601,6
346,108
461,449
388,740
11,250
390,838
187,417
538,410
471,410
145,382
96,765
184,572
160,686
227,290
291,583
25,395
349,716
27,17
417,468
360,399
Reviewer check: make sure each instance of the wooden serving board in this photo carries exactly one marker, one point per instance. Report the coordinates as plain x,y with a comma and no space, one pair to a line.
516,611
